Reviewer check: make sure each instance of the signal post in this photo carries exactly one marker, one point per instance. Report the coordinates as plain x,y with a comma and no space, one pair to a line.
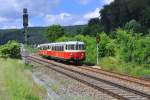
25,24
97,47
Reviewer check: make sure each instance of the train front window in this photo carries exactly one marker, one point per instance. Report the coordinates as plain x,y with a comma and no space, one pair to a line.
79,47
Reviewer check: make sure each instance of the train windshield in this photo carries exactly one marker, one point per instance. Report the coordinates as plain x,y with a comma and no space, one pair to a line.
80,47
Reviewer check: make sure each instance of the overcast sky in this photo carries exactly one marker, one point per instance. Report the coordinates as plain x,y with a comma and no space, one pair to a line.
48,12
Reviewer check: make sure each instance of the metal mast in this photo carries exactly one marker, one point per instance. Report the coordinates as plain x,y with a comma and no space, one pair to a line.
25,24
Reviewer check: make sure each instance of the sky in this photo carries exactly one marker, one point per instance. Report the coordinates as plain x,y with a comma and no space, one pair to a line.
49,12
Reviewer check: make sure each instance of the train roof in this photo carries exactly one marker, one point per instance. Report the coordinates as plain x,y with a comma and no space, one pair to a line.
61,43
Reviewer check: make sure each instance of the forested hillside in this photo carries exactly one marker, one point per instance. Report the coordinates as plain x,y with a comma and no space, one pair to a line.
35,34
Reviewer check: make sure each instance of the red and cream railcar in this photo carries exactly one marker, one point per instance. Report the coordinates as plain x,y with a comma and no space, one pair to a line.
68,51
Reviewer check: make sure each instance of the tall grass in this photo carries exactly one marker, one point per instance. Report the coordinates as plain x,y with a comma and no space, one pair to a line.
17,81
130,68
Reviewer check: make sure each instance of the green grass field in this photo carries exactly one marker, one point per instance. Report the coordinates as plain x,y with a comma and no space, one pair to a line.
16,82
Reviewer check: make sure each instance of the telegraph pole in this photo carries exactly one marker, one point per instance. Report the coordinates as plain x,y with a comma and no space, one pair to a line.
25,24
97,47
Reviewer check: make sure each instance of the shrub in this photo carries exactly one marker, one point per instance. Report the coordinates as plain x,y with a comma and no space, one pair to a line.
106,46
11,49
133,47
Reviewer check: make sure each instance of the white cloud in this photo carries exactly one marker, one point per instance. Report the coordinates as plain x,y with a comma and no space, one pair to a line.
84,2
92,14
70,19
11,10
9,27
62,18
107,1
3,19
64,15
80,22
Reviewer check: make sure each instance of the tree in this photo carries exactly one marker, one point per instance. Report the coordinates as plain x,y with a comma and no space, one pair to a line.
119,12
134,26
94,27
54,32
79,31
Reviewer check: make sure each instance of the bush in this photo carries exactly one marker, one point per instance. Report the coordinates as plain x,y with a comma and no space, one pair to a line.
106,46
133,47
11,50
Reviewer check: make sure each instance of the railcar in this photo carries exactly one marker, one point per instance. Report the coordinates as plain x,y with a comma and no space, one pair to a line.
66,51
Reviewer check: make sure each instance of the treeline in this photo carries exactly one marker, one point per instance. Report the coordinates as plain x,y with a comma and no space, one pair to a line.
127,14
119,12
127,46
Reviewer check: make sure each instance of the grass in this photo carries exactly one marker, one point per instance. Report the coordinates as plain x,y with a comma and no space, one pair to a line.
112,64
16,82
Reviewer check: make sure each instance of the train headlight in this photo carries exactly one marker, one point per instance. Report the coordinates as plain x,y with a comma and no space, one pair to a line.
82,54
71,54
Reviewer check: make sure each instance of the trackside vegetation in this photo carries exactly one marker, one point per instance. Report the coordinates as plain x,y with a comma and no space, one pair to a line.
10,50
16,82
15,76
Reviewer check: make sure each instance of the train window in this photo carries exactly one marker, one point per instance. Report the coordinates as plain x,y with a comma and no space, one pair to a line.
66,47
62,48
80,47
59,48
53,48
71,47
76,47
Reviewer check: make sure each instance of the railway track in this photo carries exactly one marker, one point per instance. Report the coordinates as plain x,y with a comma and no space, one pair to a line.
92,78
132,82
136,80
